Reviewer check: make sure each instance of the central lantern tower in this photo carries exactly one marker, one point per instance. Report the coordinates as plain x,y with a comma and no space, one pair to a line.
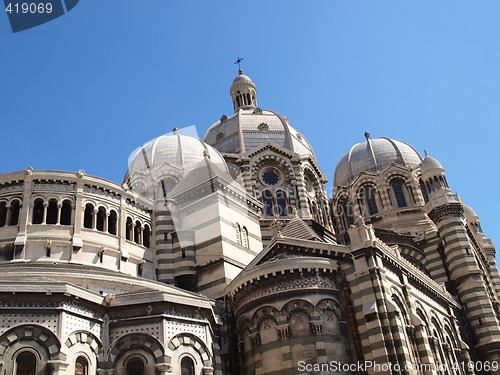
272,161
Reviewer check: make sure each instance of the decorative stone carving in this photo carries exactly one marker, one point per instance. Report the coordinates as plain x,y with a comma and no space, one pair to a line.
102,193
263,126
11,189
53,186
287,284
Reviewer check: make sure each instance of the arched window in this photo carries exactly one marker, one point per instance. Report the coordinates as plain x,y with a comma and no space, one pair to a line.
88,216
112,221
52,212
267,199
37,211
238,233
101,218
344,213
135,367
66,213
281,203
81,366
187,366
166,186
397,188
268,331
244,237
146,236
324,217
441,181
368,194
331,325
3,213
129,233
423,189
26,364
137,232
15,207
314,210
299,324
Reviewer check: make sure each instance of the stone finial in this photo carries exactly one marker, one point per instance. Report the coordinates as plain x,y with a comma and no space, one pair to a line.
359,220
360,233
80,173
425,152
276,227
367,135
29,170
175,130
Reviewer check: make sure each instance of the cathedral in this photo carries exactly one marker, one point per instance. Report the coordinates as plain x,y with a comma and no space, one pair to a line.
225,255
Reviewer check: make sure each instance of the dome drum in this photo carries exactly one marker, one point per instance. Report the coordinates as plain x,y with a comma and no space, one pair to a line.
48,229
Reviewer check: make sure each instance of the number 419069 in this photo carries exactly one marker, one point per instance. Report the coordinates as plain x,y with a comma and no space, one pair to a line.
29,8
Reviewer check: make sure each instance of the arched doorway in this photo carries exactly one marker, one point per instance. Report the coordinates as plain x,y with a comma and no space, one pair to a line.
135,367
81,366
26,364
187,366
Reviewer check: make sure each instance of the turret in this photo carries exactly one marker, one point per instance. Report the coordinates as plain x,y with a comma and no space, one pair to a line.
243,92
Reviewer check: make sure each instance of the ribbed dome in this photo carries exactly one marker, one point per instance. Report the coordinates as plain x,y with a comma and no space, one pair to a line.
248,129
374,155
176,151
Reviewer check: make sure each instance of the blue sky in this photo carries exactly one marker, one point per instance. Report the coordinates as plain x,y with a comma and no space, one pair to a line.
85,90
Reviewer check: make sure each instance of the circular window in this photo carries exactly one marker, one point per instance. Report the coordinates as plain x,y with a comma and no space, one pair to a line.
271,176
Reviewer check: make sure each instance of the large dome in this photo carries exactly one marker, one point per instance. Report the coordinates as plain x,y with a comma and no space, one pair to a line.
171,152
374,155
248,129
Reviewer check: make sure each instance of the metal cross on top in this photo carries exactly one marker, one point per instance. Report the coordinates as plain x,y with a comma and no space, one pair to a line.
238,61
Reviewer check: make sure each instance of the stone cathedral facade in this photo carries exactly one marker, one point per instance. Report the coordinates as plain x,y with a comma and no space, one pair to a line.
226,256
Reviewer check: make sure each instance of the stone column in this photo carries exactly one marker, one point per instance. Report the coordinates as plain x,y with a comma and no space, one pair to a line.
9,215
59,206
45,205
94,218
106,223
163,368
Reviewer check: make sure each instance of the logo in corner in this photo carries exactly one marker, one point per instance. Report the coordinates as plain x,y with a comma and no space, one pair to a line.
26,14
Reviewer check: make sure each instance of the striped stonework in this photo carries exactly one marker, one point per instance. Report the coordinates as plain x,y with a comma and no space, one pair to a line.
468,280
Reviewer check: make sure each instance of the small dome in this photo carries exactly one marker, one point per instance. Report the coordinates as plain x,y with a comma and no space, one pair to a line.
430,164
470,214
249,129
170,153
374,155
